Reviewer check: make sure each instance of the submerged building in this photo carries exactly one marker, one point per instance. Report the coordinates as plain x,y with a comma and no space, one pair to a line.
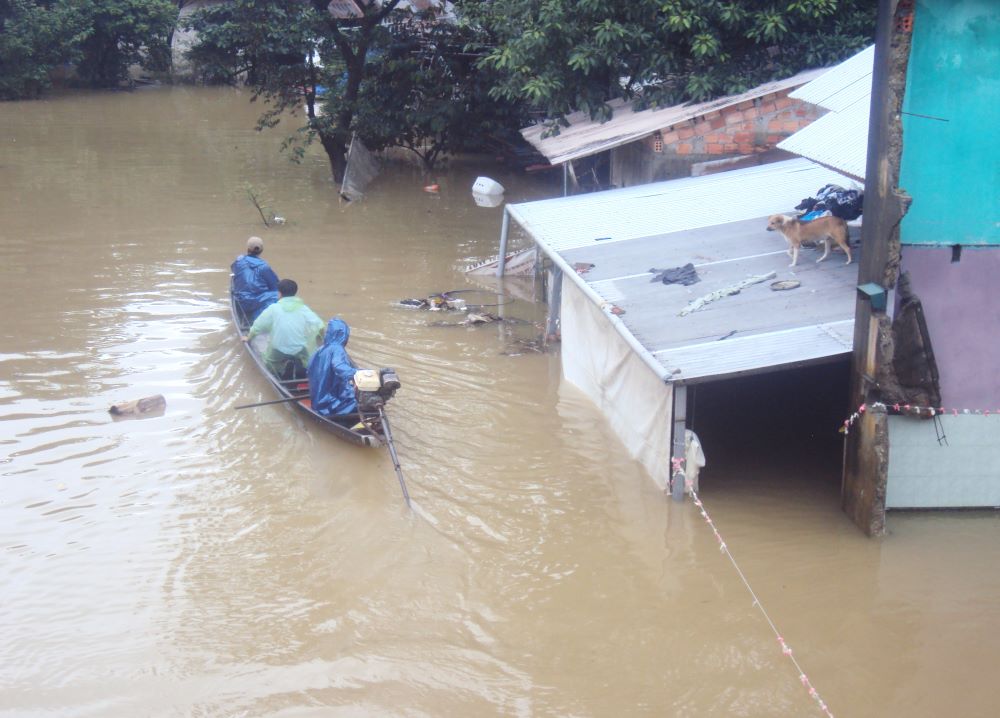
913,325
926,388
639,146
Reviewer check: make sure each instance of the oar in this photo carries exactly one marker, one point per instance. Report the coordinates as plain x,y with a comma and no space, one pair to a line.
392,453
297,397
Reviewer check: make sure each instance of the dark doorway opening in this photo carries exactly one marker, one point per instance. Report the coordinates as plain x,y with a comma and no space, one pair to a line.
782,426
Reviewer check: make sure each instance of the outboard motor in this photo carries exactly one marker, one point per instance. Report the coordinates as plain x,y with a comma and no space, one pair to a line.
390,382
375,388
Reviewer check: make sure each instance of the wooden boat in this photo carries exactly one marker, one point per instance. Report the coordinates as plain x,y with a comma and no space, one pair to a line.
371,431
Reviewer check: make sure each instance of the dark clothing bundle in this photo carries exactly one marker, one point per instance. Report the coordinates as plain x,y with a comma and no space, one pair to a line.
686,275
844,203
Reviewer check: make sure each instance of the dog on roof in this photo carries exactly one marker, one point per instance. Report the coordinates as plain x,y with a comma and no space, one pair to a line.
826,230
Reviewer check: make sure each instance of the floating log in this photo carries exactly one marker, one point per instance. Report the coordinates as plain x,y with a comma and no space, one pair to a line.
138,408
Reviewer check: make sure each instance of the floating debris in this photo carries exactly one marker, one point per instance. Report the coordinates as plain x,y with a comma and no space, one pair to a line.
138,408
449,300
483,318
487,186
520,263
413,303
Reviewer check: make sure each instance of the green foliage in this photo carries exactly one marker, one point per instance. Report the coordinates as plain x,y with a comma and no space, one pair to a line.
102,37
286,53
394,78
424,93
123,33
566,55
35,38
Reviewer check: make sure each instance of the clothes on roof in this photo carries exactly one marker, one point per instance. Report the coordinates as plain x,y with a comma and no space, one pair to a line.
832,199
686,275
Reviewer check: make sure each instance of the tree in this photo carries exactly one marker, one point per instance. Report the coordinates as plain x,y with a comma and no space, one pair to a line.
426,94
288,54
564,55
394,77
123,33
101,37
35,37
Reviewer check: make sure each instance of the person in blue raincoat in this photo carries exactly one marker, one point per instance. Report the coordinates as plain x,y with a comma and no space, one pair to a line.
331,373
255,285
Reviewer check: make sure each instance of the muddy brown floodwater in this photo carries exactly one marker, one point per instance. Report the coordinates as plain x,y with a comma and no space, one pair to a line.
212,562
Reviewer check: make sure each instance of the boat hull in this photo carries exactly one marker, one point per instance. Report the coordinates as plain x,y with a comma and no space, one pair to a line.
287,389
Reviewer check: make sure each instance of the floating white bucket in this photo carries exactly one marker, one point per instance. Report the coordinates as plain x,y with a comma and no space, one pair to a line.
485,185
487,200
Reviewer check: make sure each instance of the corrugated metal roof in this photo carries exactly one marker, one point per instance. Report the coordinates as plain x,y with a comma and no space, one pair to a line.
843,85
585,137
691,221
746,355
675,205
838,139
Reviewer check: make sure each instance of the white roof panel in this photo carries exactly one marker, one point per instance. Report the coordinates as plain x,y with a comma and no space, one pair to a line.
672,206
718,224
745,355
843,85
838,139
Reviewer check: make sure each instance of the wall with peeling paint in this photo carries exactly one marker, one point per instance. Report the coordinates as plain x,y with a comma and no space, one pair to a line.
951,112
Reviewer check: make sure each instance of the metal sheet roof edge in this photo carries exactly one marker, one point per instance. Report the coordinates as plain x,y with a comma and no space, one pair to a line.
619,326
736,373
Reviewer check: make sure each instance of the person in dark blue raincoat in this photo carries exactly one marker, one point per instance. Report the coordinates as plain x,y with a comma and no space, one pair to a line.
331,373
255,285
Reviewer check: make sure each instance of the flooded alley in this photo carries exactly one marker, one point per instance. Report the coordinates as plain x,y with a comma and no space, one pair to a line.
221,562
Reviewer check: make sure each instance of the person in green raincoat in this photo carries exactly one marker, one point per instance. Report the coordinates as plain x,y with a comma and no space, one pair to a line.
293,331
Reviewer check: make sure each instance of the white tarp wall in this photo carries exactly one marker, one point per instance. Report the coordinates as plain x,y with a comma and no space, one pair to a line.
637,404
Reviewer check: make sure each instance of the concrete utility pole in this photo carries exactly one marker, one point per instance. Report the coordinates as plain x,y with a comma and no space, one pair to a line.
866,460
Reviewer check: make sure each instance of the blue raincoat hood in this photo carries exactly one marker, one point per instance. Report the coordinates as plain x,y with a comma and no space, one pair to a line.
337,331
331,373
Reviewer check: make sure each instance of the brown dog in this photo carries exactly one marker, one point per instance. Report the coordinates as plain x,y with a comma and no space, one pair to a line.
822,230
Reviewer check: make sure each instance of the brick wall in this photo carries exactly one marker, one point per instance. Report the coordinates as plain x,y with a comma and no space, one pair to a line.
751,126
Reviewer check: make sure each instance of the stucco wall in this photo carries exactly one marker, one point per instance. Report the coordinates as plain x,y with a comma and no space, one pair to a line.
951,157
963,318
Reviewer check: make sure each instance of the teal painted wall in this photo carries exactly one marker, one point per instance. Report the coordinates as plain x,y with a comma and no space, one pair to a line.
951,165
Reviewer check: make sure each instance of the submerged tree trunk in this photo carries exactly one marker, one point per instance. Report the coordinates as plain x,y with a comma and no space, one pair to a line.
336,151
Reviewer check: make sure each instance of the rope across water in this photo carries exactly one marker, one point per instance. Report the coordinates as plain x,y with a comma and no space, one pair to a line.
678,475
